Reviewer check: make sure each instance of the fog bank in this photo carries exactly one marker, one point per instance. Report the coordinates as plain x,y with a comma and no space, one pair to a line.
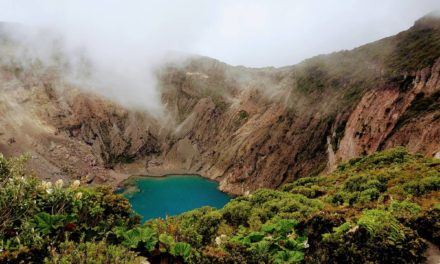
122,42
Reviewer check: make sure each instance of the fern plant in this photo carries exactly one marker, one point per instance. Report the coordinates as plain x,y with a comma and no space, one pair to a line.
381,223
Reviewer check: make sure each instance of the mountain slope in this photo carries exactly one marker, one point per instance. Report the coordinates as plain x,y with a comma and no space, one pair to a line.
246,128
280,122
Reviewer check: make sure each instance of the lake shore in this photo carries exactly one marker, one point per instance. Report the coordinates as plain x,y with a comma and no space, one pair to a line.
153,196
122,172
130,181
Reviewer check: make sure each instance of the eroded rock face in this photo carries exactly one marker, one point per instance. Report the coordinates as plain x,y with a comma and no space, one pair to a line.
264,142
115,134
396,116
241,137
246,128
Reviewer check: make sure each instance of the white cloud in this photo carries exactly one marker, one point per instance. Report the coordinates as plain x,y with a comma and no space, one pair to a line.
126,39
288,31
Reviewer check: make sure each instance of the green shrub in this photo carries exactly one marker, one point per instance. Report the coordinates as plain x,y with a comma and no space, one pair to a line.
377,237
423,186
200,226
387,199
313,191
97,253
237,211
382,223
404,210
36,214
139,237
181,249
277,241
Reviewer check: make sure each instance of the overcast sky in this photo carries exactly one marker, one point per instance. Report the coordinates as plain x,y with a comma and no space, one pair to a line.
245,32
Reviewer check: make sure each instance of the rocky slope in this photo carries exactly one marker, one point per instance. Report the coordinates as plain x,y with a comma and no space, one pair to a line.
246,128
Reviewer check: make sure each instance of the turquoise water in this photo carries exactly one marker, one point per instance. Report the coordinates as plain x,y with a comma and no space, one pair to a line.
153,197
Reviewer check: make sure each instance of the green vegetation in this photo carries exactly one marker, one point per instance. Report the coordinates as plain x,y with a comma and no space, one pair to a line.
100,252
40,219
420,106
375,209
241,118
334,83
416,48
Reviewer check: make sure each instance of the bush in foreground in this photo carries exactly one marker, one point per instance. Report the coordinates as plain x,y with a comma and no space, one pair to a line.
371,209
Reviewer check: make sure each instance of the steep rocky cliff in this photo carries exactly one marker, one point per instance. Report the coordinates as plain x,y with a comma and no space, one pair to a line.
246,128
